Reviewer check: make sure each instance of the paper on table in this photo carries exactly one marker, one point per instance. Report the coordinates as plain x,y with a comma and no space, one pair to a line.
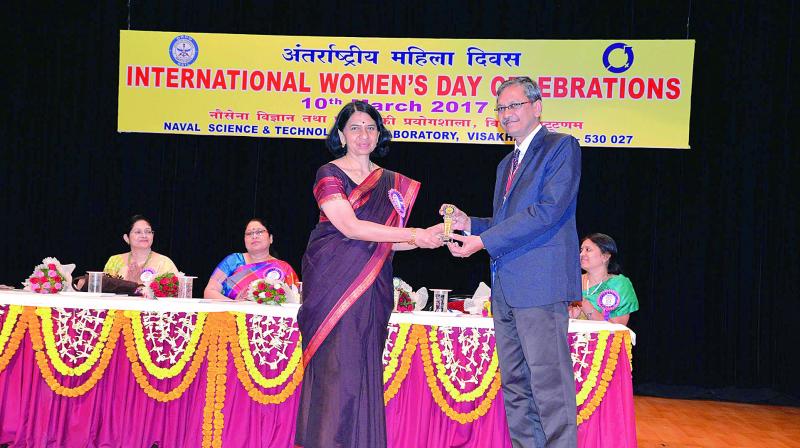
481,295
293,295
422,299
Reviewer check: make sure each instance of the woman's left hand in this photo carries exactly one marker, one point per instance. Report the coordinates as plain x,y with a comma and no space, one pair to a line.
589,310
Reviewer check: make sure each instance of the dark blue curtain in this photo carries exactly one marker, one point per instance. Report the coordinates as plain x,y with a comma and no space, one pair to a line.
708,235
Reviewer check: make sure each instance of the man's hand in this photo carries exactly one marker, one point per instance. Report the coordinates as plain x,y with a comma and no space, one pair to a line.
460,219
469,245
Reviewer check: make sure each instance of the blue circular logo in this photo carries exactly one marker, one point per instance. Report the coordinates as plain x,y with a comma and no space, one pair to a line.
618,46
183,50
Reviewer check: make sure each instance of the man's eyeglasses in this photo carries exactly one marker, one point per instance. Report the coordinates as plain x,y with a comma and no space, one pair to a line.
255,233
143,232
512,106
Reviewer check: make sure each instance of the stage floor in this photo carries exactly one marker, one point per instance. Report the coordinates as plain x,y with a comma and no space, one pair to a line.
668,423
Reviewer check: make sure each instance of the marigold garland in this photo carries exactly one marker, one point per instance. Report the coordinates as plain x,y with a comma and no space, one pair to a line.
461,417
410,347
250,364
244,375
213,418
441,373
594,370
141,378
46,315
211,374
221,379
212,344
11,335
144,354
41,359
394,353
629,348
12,314
605,378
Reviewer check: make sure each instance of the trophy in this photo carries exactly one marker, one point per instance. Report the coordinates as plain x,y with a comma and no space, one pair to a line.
449,210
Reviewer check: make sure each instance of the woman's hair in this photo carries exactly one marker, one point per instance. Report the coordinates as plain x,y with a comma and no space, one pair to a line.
263,222
607,245
258,220
133,220
333,141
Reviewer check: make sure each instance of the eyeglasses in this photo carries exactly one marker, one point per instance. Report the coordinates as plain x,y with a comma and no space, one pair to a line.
143,232
255,233
512,106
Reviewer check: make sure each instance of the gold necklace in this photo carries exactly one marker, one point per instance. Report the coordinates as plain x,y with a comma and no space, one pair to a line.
591,293
146,260
357,169
259,260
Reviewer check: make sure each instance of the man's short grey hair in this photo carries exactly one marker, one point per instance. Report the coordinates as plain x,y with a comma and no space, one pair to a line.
529,86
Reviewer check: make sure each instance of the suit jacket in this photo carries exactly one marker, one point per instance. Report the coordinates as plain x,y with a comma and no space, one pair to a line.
531,237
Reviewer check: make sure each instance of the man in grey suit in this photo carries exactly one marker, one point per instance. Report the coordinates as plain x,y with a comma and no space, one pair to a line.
533,246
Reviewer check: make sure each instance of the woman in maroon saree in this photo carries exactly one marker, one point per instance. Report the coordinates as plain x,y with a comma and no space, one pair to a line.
347,288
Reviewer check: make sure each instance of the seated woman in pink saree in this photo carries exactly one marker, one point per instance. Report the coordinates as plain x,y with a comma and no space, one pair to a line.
347,291
233,275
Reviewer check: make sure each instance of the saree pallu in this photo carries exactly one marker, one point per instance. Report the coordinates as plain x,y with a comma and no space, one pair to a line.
343,320
241,277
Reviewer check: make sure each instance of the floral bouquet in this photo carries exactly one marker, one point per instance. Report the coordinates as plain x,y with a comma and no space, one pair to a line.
165,285
404,296
269,292
405,304
47,278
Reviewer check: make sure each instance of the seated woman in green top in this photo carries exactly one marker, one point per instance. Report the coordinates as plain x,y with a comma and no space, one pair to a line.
603,283
141,264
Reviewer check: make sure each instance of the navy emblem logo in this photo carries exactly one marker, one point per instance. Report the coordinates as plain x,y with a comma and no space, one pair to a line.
628,50
183,50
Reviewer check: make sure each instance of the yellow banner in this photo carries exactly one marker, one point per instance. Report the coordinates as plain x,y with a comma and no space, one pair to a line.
629,93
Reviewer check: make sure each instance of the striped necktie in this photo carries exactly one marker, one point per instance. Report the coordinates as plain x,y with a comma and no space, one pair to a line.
513,170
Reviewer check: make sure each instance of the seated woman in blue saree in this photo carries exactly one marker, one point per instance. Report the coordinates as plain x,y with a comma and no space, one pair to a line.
234,274
347,284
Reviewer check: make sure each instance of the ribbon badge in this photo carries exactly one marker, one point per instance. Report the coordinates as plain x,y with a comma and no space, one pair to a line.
608,301
147,275
399,205
274,275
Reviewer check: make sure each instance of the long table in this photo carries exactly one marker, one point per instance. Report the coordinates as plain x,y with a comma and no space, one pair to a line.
125,371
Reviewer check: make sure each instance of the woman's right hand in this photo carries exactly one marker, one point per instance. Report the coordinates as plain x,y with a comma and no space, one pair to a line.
429,238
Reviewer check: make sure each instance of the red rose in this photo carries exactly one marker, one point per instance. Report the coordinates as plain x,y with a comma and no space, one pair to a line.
262,286
165,281
52,266
34,280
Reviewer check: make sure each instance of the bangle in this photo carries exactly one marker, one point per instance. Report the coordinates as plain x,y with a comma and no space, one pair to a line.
413,240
